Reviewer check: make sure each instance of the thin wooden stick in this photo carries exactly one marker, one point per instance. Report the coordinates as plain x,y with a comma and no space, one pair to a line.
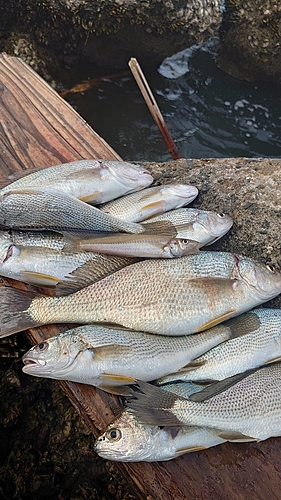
153,107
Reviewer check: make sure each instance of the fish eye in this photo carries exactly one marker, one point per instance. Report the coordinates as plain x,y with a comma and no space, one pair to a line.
270,268
114,435
42,346
221,215
185,242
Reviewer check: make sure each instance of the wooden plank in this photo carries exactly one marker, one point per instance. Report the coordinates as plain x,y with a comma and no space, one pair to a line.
37,128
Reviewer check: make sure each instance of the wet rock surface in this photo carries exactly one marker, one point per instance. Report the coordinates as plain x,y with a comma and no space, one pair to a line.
250,47
106,32
45,448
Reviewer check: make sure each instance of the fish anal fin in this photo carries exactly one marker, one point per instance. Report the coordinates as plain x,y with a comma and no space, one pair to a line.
235,437
189,449
272,360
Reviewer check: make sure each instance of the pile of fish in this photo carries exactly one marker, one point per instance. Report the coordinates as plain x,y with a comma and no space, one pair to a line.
161,320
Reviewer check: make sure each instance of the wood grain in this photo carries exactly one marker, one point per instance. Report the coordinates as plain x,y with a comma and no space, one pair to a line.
38,129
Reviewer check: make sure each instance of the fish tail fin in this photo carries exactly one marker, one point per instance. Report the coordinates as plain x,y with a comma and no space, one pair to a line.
14,316
152,405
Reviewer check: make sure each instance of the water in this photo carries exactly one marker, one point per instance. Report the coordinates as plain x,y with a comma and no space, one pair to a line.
208,113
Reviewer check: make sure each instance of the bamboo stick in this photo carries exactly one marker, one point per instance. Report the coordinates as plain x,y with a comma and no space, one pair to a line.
153,107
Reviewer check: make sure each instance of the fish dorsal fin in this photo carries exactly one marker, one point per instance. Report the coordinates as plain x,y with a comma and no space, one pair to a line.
93,270
218,387
15,176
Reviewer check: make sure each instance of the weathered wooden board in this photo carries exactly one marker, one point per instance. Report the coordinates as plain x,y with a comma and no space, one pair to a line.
37,128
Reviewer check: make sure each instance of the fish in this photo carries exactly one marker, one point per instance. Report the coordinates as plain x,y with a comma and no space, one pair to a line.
194,224
242,408
150,202
48,259
51,210
92,181
110,358
152,246
258,344
162,296
187,226
128,440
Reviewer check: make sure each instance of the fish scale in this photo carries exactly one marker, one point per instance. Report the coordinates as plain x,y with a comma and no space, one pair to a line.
262,344
249,408
94,181
178,297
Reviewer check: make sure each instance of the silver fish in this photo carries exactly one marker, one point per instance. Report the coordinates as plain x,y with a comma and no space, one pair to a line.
92,181
242,408
258,344
149,202
194,224
48,259
109,358
167,297
147,245
48,209
127,440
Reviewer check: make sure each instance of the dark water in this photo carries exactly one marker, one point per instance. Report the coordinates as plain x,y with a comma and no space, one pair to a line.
209,114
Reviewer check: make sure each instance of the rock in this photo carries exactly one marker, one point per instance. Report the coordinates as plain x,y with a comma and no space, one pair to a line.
108,32
250,47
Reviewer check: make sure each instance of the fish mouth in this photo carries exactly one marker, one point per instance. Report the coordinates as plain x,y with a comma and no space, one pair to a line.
29,364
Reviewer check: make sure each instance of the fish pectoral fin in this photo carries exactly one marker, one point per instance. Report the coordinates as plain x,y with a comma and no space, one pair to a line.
157,207
189,449
111,351
191,366
235,437
216,320
40,279
91,198
117,379
116,384
218,387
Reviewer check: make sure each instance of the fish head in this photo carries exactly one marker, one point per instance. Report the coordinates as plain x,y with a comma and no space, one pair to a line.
134,177
6,246
178,195
215,225
126,440
52,357
182,246
264,280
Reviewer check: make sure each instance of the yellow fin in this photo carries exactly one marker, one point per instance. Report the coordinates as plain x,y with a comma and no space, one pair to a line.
216,320
191,366
272,360
190,449
40,278
119,390
235,437
112,350
157,207
90,198
117,379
